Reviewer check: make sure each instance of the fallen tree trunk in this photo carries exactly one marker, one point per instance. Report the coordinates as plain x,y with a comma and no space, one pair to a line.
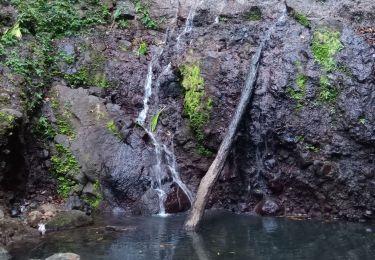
217,166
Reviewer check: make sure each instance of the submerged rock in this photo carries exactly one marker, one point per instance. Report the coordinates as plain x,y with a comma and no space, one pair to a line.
64,256
4,255
68,220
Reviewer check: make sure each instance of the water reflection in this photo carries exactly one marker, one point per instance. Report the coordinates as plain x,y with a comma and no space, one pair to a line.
222,236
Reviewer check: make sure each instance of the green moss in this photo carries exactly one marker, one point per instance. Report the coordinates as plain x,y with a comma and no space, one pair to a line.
94,200
327,93
64,167
111,126
298,95
255,14
325,45
197,105
7,122
301,18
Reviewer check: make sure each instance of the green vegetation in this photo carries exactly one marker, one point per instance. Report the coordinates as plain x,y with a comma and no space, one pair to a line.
362,121
325,45
44,129
312,148
91,74
298,95
111,126
155,120
6,122
64,126
144,12
35,60
327,92
94,200
255,14
142,49
117,16
64,167
60,17
123,24
300,18
197,105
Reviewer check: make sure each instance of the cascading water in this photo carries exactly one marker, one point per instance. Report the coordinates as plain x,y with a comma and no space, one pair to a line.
189,24
148,89
165,158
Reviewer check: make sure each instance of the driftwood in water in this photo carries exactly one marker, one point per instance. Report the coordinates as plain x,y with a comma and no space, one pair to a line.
217,166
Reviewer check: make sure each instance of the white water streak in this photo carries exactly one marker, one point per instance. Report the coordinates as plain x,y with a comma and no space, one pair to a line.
189,24
148,91
171,158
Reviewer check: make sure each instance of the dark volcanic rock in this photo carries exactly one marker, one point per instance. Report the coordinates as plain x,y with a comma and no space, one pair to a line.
177,201
312,157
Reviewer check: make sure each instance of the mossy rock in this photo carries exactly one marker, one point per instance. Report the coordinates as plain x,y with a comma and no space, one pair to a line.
68,220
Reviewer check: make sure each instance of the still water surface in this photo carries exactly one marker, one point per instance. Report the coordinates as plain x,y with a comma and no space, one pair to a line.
223,236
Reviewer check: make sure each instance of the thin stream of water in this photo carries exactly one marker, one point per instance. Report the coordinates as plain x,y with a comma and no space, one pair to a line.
158,171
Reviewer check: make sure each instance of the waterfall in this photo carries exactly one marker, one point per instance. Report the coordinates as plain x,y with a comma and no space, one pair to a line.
148,91
165,158
189,24
148,88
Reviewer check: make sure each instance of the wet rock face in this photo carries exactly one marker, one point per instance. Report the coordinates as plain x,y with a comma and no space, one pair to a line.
177,201
314,157
317,157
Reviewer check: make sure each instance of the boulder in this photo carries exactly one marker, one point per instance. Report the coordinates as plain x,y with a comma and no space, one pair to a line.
34,218
68,220
125,10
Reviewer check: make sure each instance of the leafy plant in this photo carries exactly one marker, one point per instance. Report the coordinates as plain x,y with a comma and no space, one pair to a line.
142,49
123,24
155,120
64,167
312,148
144,12
111,126
12,35
44,129
117,16
362,121
325,45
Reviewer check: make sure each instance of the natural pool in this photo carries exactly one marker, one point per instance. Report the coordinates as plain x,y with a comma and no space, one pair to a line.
222,236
